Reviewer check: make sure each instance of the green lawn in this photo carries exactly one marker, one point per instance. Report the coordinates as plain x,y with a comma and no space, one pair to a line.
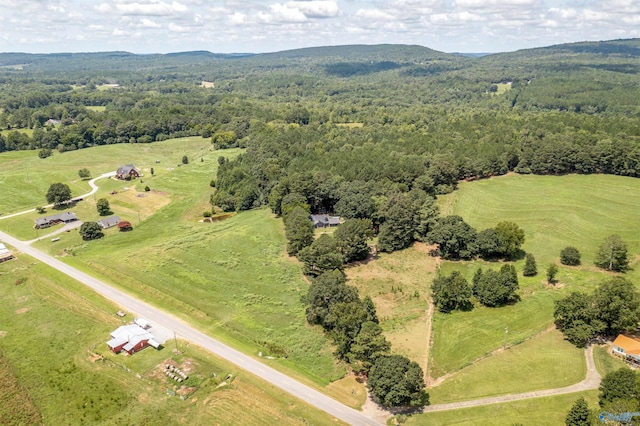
538,411
605,362
52,333
544,362
554,212
25,177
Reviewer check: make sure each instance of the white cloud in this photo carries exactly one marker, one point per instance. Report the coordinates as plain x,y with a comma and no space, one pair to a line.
281,13
316,8
148,23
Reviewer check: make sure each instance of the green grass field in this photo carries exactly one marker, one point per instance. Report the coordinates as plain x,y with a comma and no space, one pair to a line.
605,362
531,412
231,278
26,178
544,362
53,353
554,212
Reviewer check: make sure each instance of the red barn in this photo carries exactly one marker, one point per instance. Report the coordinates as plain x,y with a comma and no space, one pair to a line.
131,339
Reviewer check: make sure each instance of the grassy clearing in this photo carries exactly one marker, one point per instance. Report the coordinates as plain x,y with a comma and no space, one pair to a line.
544,362
52,340
96,108
28,132
556,212
605,361
399,285
539,411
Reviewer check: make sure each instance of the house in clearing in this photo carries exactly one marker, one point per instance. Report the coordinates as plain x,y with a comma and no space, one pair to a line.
131,339
324,220
127,172
109,222
627,348
45,222
5,253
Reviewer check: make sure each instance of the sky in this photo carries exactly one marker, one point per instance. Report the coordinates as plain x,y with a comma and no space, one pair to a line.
256,26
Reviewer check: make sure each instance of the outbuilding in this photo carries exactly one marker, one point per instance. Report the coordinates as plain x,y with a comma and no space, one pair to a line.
131,339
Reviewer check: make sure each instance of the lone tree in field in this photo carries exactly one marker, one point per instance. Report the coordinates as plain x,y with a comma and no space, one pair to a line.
530,266
91,231
58,193
103,207
579,414
394,381
570,256
185,160
552,271
84,173
612,254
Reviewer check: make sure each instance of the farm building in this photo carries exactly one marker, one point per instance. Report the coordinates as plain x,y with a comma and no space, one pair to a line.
127,172
628,348
109,222
324,220
5,253
45,222
131,339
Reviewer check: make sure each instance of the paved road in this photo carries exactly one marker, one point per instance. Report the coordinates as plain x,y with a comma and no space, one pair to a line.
591,381
189,333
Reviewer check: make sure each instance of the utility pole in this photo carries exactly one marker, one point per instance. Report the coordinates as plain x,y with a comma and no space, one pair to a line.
506,331
175,339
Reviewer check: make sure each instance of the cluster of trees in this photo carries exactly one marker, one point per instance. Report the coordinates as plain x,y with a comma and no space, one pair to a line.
613,308
350,321
490,288
353,326
458,240
619,398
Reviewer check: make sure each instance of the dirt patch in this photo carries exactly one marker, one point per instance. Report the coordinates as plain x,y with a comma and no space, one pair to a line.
22,299
95,357
22,311
3,333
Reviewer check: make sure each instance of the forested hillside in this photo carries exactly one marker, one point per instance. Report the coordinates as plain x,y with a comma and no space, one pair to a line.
382,115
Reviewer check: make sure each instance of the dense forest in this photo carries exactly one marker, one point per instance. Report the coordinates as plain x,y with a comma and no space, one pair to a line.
385,119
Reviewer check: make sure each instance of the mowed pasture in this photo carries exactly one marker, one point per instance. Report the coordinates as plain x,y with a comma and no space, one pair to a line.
53,354
531,412
555,212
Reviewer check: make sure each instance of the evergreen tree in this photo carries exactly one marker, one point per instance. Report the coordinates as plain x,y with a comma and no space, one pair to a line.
298,230
579,414
530,267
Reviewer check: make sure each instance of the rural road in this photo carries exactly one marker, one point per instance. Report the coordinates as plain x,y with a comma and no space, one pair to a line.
591,381
155,315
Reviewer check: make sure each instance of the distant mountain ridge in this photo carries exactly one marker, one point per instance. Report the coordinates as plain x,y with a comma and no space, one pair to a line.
343,60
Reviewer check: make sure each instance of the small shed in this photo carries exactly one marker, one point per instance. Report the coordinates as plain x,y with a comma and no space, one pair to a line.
5,253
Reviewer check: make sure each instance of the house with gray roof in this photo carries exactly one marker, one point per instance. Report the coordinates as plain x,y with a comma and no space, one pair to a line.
5,253
109,222
127,172
47,221
324,220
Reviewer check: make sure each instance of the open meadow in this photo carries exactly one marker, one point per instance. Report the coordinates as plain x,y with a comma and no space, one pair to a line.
57,369
554,212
